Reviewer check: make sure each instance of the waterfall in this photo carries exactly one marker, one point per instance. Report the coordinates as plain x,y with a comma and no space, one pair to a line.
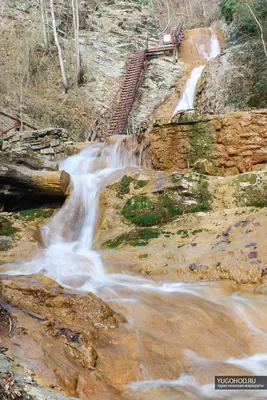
70,234
207,52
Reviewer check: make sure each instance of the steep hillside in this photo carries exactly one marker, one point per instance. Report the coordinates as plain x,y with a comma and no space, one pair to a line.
236,80
30,79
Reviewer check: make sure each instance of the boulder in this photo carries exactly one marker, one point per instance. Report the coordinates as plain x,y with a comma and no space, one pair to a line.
6,243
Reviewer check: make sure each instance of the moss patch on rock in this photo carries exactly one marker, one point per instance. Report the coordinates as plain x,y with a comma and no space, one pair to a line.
200,143
140,183
188,193
123,187
250,190
136,237
142,256
6,227
34,213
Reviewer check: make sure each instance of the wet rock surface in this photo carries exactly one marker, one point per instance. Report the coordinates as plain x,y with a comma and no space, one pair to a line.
226,85
75,342
13,385
70,327
206,244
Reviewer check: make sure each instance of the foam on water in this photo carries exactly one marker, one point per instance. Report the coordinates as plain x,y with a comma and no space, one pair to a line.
69,236
191,387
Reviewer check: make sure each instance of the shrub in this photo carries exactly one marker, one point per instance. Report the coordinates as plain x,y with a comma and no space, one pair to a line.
6,228
134,238
228,8
239,13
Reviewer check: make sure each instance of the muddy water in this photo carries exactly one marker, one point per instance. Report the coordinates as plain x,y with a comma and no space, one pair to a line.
177,336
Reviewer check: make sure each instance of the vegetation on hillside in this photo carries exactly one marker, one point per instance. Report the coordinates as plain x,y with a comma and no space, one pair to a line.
241,14
248,20
193,13
31,84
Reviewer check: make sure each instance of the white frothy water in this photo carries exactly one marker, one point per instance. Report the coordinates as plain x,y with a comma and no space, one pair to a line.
187,100
69,235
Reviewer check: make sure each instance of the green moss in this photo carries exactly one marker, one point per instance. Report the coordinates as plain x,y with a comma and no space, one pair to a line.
144,211
197,231
160,208
175,178
140,184
142,256
183,233
6,228
250,190
138,237
202,208
34,213
244,178
258,204
123,187
200,142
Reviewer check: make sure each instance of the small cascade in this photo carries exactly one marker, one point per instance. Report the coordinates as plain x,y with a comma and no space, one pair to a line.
70,234
207,49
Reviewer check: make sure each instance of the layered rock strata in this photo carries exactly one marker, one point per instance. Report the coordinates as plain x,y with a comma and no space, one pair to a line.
212,144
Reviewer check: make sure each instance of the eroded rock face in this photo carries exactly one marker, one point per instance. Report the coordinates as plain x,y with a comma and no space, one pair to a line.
133,209
59,332
226,85
50,143
220,241
37,294
159,83
211,144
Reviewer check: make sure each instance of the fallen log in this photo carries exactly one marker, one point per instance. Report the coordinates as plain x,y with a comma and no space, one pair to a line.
24,181
18,179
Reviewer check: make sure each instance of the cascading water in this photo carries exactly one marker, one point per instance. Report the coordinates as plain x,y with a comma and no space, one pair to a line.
183,334
70,234
209,51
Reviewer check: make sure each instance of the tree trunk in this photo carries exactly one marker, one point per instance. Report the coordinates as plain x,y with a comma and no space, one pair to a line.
43,22
16,178
260,28
75,12
61,62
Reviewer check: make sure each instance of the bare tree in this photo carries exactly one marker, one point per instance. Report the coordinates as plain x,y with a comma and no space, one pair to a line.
61,62
43,22
260,27
75,11
203,8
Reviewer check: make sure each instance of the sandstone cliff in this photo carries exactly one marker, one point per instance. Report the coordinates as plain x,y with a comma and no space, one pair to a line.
212,144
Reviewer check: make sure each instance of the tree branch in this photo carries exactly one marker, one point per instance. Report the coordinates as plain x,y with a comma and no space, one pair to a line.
260,27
